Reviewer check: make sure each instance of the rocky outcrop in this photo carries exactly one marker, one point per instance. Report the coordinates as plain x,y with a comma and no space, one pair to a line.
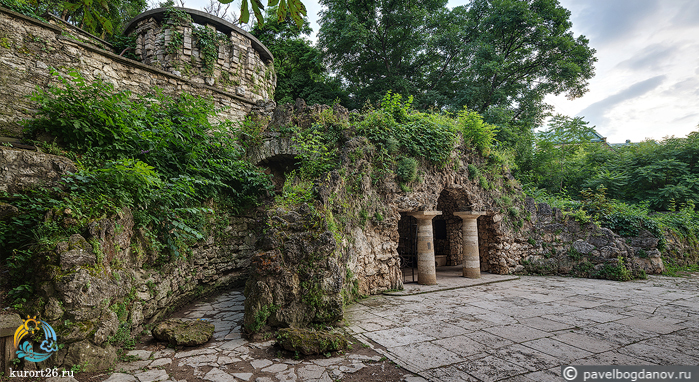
298,277
104,285
553,243
22,169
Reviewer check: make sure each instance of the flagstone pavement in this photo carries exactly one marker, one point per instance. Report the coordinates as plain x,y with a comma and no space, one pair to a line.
516,330
524,330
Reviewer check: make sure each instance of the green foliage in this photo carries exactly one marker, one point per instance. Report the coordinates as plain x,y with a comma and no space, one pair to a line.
34,9
260,319
672,268
157,155
659,173
475,132
483,182
614,271
395,127
293,9
473,172
317,152
474,55
208,40
406,170
298,64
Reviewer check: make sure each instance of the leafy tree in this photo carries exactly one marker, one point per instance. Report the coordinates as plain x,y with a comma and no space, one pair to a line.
498,57
559,153
299,67
378,45
293,9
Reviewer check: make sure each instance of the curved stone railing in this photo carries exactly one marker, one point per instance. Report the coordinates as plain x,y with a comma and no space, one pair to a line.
205,49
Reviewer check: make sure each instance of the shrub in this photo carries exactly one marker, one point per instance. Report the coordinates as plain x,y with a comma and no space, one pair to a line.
479,134
473,172
407,170
156,154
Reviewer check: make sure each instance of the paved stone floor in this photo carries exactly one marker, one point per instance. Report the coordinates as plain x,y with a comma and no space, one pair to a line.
523,330
516,330
228,357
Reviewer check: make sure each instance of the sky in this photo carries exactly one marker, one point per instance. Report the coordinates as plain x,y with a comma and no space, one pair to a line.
647,70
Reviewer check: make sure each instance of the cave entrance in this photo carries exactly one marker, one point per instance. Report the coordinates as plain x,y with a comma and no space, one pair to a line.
407,245
453,237
447,229
279,166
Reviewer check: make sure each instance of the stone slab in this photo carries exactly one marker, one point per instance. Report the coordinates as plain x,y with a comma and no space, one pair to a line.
449,278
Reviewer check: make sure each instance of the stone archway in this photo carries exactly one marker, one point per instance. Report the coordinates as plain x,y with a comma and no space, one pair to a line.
277,155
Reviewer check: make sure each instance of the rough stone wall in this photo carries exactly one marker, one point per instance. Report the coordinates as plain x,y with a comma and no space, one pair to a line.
82,282
22,169
552,243
111,268
682,250
28,47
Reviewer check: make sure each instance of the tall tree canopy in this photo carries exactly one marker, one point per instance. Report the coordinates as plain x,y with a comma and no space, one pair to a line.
300,70
378,45
498,57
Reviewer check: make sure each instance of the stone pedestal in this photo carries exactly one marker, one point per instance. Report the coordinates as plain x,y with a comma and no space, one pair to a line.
426,272
472,261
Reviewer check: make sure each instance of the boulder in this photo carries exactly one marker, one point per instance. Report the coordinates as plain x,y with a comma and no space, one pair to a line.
308,341
184,333
90,356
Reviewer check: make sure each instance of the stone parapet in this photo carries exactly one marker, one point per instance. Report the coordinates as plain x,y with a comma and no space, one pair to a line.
204,49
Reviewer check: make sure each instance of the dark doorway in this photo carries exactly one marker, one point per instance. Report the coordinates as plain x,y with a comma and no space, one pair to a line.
407,246
279,166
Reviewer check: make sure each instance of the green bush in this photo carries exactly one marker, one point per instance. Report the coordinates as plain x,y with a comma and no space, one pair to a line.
473,172
476,132
407,170
616,271
158,155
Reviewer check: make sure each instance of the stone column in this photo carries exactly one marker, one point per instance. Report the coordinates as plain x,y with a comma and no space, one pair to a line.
472,259
426,272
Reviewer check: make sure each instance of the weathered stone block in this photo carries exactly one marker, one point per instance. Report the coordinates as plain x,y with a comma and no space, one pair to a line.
184,333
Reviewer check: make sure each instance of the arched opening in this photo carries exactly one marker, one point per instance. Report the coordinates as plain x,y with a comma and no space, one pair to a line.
449,241
279,166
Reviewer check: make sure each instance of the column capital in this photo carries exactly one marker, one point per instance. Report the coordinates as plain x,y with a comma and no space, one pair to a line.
427,215
469,214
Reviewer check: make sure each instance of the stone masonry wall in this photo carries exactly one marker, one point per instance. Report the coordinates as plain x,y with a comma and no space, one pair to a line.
28,47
